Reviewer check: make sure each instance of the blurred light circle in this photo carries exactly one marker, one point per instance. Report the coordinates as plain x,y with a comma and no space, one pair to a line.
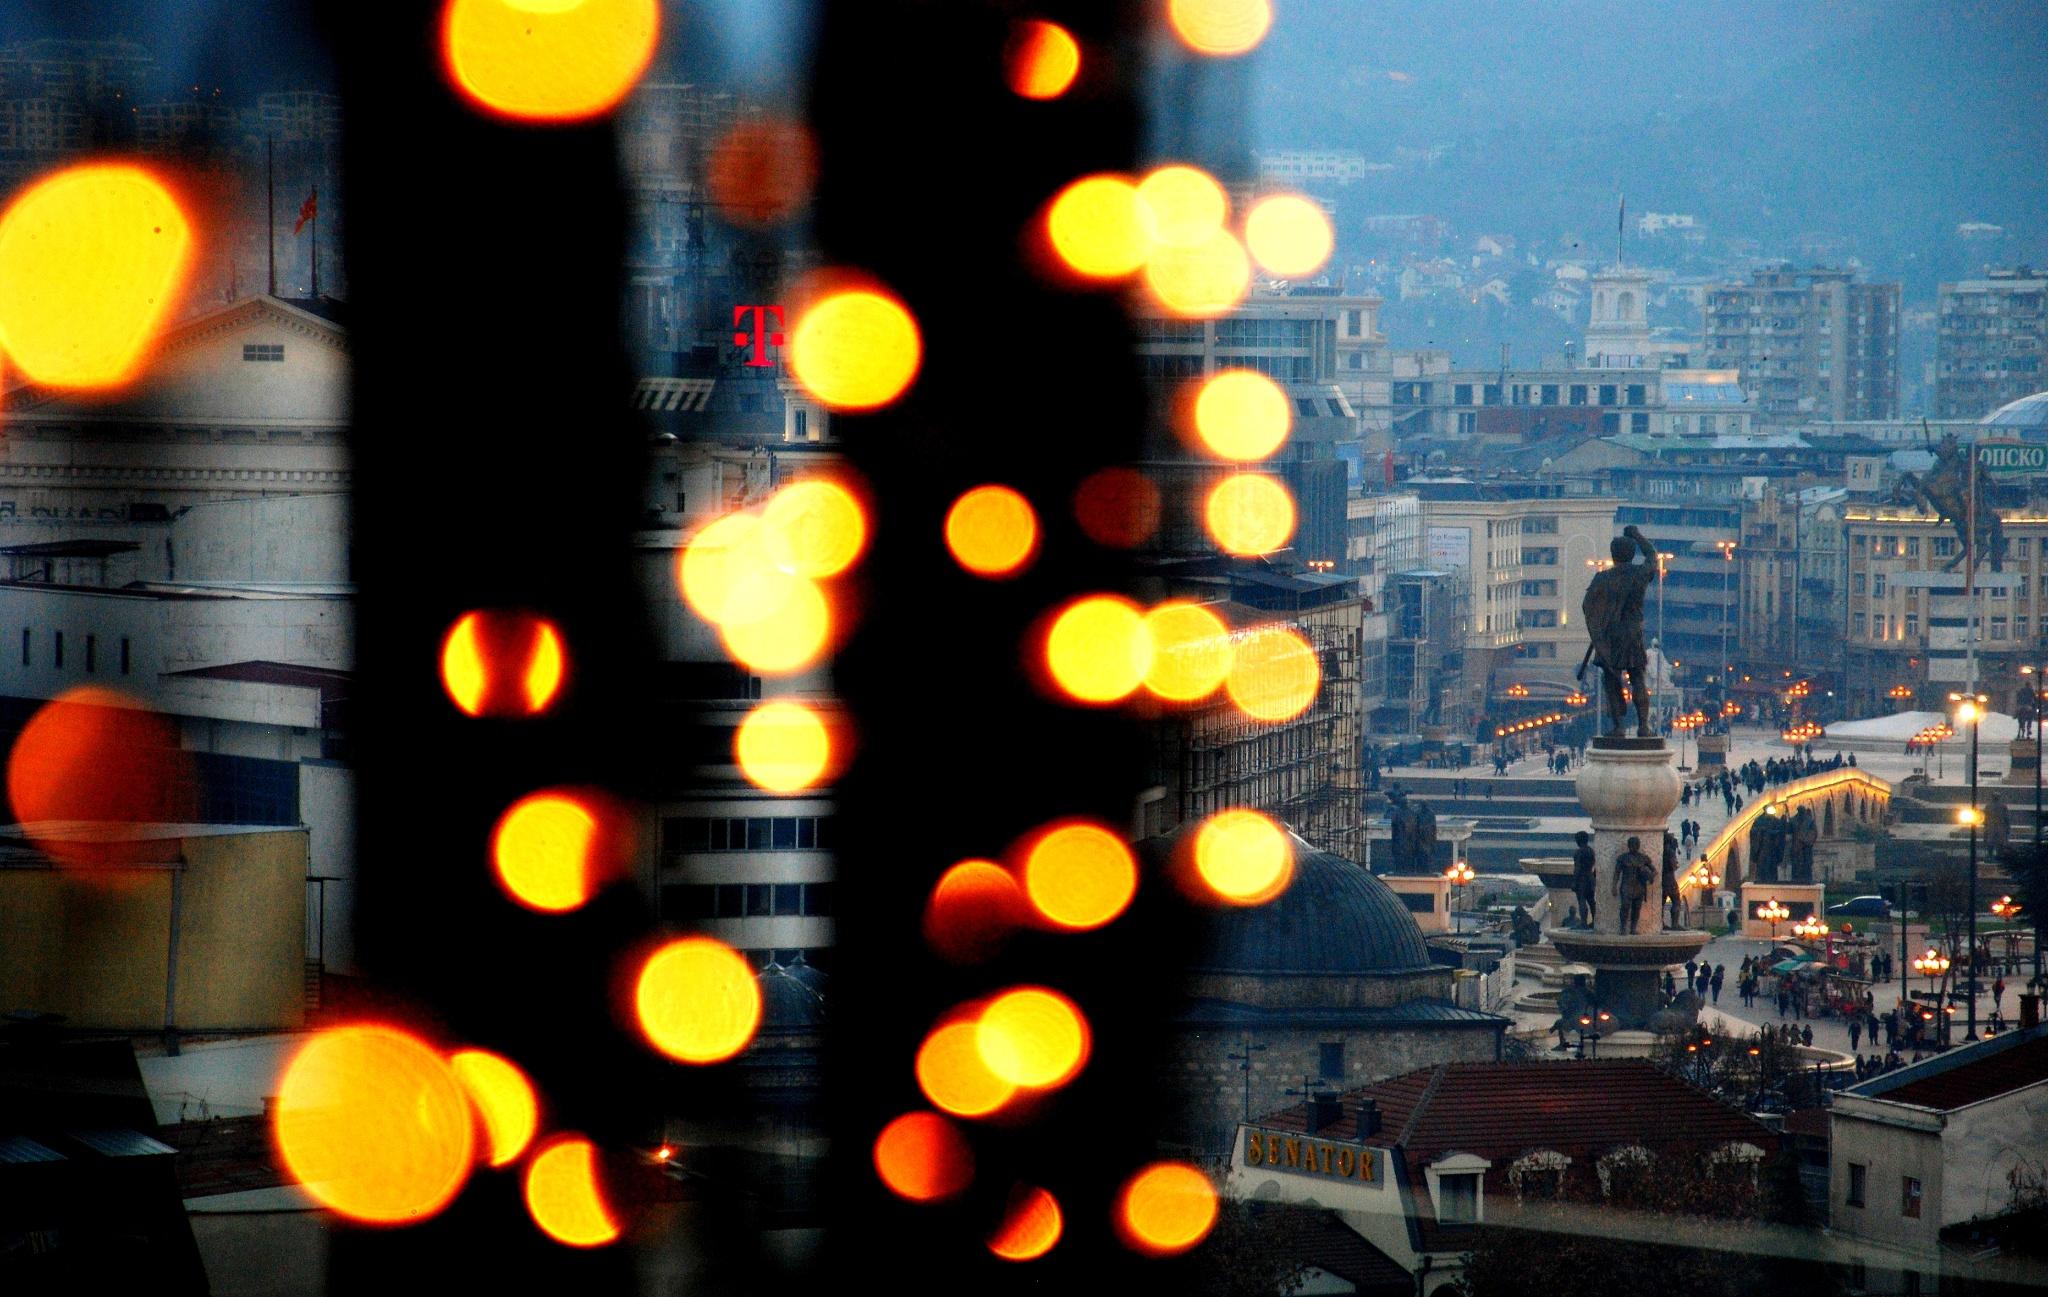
1168,1207
697,1000
1117,507
1220,27
953,1076
564,1196
96,755
548,60
1041,60
1289,235
502,664
544,848
1100,227
815,527
760,172
503,1097
1249,513
1191,651
1188,206
729,573
1099,649
1244,857
992,531
1241,414
790,639
855,349
1032,1037
923,1157
782,746
1275,675
1080,875
1030,1226
974,906
1200,280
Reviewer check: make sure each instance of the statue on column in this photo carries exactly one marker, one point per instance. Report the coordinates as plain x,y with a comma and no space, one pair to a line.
1424,844
1766,846
1997,825
1583,885
1633,874
1400,828
1804,831
1674,899
1613,609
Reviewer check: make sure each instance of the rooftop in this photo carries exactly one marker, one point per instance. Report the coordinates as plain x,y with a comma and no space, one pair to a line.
1962,1077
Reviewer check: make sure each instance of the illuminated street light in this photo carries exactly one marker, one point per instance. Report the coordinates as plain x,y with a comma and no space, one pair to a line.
1773,913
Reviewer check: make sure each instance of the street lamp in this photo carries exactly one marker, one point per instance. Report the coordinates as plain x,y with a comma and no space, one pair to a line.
1773,913
1727,548
1701,878
1591,1024
1460,874
2034,688
1931,966
1970,711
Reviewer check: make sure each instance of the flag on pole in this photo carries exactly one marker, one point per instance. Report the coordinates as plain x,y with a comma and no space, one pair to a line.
308,210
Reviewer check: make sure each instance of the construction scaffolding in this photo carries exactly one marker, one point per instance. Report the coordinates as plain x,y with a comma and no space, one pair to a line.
1426,617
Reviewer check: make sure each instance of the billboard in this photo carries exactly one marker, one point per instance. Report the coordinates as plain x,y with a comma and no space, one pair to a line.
1449,547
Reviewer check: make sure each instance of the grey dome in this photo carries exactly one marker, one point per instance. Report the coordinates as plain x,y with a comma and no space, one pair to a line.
2027,412
788,1003
1333,918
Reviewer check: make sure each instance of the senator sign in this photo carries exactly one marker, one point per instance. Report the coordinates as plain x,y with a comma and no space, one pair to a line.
2007,457
1299,1154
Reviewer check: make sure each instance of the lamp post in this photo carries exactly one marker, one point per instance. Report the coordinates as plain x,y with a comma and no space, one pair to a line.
1933,965
2034,688
1773,913
1244,1064
1591,1024
1460,874
1970,711
1727,548
1702,878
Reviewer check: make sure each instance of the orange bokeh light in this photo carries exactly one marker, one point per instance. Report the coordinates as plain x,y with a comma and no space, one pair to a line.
545,849
815,527
855,349
93,755
1242,414
502,663
1200,280
1030,1227
697,1000
503,1097
923,1157
1275,675
729,574
1117,507
565,1196
1288,235
1191,651
1249,513
787,640
371,1121
1041,60
1079,875
1220,27
760,172
1187,204
1032,1037
953,1076
92,259
1243,858
548,60
992,531
973,907
782,746
1100,228
1099,649
1168,1207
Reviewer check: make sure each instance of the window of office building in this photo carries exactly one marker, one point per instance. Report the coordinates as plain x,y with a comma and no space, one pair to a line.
1856,1177
1909,1196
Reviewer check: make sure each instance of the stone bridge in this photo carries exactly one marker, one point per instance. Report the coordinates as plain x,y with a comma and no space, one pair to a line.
1841,800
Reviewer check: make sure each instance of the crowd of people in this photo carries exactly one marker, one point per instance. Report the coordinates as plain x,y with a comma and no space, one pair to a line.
1752,777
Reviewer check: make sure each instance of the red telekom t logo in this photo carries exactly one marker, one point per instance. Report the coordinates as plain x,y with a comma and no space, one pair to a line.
757,334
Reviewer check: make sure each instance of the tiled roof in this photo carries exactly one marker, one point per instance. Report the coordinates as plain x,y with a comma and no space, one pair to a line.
1329,1244
1503,1110
1966,1076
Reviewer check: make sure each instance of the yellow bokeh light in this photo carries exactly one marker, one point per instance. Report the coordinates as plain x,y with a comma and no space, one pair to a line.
1099,649
1202,279
729,573
564,1196
815,528
855,349
1242,414
502,664
1243,857
503,1097
1248,513
1188,206
992,531
782,746
373,1123
972,908
1032,1037
1167,1207
787,640
923,1157
543,850
1275,675
91,261
1100,227
1191,651
1031,1225
1079,875
1042,60
1288,235
953,1077
548,60
697,1000
1220,27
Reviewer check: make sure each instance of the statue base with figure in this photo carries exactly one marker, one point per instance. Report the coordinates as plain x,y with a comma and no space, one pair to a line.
1629,789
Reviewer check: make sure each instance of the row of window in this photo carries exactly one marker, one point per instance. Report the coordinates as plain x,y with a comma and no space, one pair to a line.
1548,393
1885,626
1910,1192
266,351
681,833
92,651
690,901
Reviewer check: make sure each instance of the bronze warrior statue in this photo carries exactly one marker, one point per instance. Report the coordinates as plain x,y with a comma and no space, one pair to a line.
1945,492
1583,885
1632,874
1614,619
1674,900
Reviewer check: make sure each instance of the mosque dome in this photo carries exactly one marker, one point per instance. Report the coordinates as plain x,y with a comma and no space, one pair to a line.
2017,417
1334,917
789,1000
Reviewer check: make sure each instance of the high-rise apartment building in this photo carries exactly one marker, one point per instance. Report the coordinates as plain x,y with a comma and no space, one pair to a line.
1993,342
1808,343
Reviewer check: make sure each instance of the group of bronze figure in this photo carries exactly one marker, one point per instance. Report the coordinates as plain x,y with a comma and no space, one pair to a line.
1633,876
1413,829
1781,847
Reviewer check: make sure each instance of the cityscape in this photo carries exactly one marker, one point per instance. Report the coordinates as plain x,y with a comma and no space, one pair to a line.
1281,676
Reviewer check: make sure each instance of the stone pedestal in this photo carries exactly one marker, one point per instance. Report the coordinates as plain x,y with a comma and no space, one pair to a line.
1556,872
1629,789
1713,752
2025,754
1427,896
1802,899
